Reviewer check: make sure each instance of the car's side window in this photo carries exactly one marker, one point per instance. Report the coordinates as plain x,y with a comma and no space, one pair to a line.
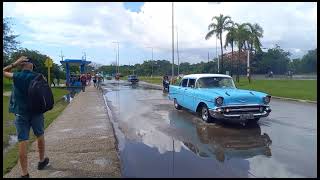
184,82
191,83
199,84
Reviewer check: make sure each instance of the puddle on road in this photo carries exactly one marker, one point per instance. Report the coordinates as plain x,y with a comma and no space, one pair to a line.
155,134
155,140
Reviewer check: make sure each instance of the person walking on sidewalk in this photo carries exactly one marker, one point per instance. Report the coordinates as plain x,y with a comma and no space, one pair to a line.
24,119
83,80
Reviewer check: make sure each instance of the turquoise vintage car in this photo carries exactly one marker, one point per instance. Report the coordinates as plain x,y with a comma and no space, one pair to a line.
214,96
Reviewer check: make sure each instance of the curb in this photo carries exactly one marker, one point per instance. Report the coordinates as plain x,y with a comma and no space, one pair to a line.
291,99
276,97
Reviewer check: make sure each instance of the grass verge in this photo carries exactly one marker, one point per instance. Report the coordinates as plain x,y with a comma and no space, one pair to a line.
296,89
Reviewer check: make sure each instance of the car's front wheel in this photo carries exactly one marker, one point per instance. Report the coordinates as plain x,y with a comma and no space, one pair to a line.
205,115
176,105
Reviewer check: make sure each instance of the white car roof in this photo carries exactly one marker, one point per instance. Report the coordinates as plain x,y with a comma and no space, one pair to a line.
196,76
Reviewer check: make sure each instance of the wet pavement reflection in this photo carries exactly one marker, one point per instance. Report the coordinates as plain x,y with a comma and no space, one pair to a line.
155,140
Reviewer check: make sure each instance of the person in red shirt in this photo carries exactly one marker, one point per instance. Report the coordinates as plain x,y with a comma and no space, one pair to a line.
83,79
89,79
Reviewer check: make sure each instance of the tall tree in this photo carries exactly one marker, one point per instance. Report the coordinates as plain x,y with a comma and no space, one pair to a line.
221,24
242,32
10,42
230,40
256,32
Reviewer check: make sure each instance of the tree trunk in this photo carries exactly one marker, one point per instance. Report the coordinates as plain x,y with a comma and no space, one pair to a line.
222,69
232,59
238,71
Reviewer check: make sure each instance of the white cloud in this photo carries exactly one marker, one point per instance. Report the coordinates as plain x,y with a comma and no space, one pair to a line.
291,25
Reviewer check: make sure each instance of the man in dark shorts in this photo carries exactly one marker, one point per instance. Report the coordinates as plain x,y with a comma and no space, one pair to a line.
24,118
95,80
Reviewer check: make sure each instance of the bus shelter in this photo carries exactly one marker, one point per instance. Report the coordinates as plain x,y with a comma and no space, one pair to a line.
74,62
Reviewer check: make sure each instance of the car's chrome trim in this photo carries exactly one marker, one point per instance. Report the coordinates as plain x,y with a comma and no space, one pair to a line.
219,114
244,109
241,105
238,115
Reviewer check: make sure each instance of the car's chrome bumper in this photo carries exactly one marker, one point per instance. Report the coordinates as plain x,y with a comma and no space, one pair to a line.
219,113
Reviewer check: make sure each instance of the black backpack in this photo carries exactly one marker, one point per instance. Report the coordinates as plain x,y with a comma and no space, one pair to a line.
40,97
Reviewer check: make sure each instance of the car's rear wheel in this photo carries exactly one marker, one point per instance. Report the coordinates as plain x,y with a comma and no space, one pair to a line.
204,113
176,105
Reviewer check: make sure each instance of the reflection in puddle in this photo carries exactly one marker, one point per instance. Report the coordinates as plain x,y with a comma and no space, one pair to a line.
220,141
231,142
158,141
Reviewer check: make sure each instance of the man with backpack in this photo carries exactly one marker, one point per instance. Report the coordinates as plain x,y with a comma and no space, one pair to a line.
31,97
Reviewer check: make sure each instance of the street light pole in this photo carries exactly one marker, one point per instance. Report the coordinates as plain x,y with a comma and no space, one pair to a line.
178,53
117,60
151,60
61,56
248,66
172,43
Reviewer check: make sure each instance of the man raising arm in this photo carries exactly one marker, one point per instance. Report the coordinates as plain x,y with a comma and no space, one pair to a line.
24,119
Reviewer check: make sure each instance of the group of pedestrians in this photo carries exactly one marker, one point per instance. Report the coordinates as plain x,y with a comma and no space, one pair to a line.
97,80
86,80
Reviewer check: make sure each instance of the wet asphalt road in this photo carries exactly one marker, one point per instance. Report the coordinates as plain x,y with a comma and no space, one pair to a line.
156,140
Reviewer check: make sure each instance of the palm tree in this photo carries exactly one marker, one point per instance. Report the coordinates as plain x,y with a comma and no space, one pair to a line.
242,32
253,41
222,23
230,40
256,32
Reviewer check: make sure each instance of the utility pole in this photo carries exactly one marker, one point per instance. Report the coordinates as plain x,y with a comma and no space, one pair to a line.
151,60
115,51
178,53
61,55
248,66
117,61
172,43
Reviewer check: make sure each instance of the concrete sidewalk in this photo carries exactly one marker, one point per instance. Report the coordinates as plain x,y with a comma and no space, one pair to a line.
79,143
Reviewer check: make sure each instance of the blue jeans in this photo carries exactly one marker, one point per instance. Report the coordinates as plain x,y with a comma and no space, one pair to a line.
24,122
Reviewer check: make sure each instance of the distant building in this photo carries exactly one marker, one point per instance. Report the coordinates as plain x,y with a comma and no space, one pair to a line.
227,57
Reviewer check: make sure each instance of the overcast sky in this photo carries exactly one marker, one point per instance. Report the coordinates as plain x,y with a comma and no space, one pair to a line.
73,28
